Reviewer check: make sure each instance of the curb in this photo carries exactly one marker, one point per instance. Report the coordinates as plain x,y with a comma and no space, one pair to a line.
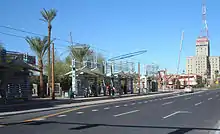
80,104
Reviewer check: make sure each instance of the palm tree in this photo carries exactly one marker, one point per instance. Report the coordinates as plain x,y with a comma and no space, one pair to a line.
39,47
79,52
48,16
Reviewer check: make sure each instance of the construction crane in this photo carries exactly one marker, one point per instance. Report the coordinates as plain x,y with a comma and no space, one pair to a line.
178,64
181,43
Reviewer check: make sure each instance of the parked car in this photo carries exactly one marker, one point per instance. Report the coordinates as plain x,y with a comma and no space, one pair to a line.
188,89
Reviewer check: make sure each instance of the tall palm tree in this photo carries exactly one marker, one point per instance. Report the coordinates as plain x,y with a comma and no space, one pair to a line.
79,52
48,16
39,47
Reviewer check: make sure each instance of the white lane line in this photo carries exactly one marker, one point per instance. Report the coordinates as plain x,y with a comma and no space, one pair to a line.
198,103
125,105
139,102
217,95
1,125
150,100
156,99
160,99
188,98
62,115
106,108
126,113
79,112
133,103
200,95
145,101
209,98
95,110
167,103
117,106
171,115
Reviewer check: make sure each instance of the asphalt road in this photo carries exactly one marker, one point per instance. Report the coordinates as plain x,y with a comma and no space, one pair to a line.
175,114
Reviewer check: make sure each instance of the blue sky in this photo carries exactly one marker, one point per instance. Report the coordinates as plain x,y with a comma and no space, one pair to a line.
117,26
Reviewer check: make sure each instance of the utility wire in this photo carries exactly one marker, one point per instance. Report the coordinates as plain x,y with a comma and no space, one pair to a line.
33,33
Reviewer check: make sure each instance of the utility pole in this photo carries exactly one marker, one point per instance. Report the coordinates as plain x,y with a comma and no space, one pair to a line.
139,81
52,67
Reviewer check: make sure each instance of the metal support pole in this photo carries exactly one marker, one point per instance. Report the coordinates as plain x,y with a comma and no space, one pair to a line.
74,90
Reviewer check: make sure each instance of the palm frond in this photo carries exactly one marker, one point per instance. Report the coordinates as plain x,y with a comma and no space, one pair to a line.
48,15
78,53
38,46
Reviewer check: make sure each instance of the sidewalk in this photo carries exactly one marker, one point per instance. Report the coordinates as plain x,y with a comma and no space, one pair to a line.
45,104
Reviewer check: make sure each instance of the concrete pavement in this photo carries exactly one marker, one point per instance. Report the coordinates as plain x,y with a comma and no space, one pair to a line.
176,114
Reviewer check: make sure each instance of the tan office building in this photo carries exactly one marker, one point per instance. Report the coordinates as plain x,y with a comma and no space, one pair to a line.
215,65
202,63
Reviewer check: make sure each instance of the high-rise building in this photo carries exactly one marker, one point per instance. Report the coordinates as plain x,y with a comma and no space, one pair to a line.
202,63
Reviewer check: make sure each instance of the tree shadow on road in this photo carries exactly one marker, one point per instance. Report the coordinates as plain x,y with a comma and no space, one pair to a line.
83,126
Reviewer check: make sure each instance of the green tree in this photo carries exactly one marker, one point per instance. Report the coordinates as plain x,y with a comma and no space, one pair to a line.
60,67
48,16
79,52
39,47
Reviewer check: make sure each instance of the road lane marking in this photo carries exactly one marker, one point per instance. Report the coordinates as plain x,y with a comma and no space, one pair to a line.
209,98
79,112
126,113
95,110
133,103
2,125
52,115
167,103
217,95
106,108
188,98
139,102
198,103
200,95
145,101
125,105
117,106
62,115
171,115
39,119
